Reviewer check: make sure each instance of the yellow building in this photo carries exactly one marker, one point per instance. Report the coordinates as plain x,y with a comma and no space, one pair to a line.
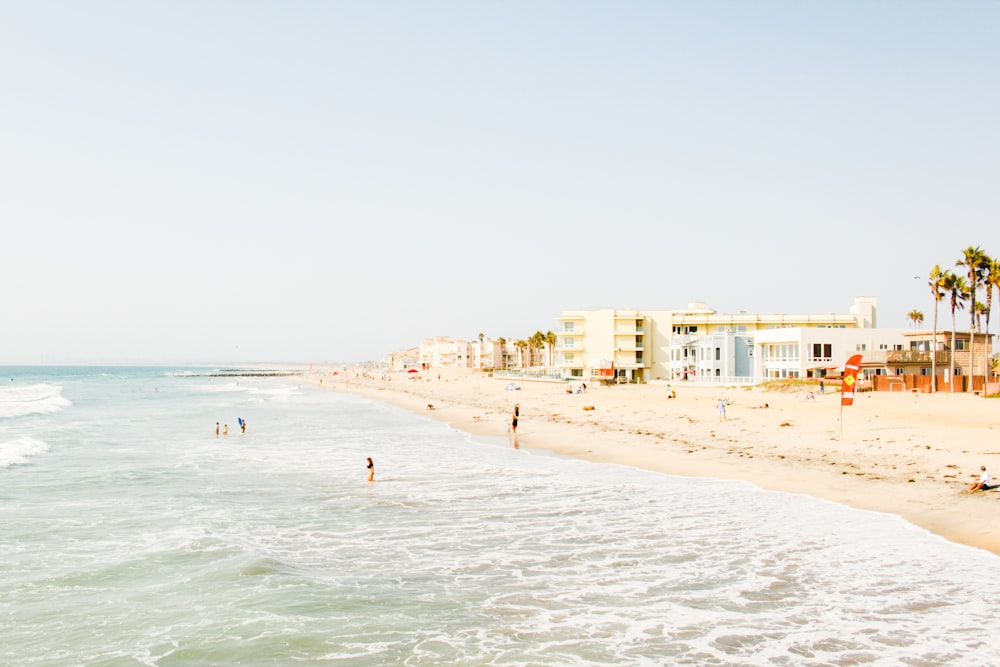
695,343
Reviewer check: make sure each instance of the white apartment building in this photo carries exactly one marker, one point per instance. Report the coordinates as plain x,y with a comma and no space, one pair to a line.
443,352
801,352
692,344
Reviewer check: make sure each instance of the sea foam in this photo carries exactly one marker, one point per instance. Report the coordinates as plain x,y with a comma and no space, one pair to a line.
19,450
32,399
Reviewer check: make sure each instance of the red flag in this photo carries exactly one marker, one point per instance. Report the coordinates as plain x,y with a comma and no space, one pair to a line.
851,369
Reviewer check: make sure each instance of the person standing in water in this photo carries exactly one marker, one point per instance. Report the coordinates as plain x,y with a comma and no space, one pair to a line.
371,470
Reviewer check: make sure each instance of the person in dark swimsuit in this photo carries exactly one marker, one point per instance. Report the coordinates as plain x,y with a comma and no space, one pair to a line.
371,470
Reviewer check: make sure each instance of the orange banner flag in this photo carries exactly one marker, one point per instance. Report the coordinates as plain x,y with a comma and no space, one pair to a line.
851,369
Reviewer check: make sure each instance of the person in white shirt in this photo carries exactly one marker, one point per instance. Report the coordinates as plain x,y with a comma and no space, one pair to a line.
985,483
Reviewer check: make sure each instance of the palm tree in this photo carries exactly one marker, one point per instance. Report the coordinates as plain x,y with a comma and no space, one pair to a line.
957,290
521,344
536,343
973,259
915,317
936,283
503,352
551,339
991,279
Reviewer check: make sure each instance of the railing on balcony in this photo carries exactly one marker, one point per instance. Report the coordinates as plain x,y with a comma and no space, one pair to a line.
916,356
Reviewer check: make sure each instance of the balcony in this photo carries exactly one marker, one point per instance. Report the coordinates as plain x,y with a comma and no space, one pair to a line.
916,356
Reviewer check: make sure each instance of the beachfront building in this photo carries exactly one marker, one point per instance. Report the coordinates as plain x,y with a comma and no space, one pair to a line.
911,366
818,352
694,344
609,343
402,360
444,352
485,354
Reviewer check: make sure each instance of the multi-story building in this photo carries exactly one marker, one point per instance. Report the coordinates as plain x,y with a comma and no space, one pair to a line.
691,344
443,352
801,352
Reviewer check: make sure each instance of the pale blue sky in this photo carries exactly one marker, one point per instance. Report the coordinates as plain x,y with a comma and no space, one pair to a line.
320,181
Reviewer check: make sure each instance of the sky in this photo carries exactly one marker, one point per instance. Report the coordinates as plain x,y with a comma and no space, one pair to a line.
307,181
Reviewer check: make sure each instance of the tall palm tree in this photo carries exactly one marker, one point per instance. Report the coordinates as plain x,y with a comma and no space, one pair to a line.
521,345
537,343
552,339
957,290
974,261
915,317
503,352
991,279
936,283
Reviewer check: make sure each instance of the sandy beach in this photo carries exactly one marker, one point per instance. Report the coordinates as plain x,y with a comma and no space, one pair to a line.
912,455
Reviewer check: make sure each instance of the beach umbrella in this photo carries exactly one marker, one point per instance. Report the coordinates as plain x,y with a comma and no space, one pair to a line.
412,370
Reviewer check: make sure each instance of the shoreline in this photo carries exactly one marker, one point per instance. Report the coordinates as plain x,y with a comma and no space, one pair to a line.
912,455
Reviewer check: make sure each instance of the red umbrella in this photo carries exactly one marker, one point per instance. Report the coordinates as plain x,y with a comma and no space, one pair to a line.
412,370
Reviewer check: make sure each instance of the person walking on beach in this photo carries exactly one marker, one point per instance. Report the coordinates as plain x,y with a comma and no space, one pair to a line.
371,470
985,482
517,413
722,409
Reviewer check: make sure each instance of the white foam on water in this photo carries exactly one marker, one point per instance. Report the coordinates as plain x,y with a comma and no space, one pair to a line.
19,450
33,399
270,548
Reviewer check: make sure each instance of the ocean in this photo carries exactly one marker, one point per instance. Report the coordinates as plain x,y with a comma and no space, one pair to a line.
130,534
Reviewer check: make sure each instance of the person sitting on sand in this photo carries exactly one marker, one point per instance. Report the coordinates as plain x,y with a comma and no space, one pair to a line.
985,483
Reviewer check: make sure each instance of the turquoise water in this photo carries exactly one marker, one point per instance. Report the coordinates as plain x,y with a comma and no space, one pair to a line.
132,535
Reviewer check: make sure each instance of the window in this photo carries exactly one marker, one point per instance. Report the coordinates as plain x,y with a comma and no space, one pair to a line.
961,345
567,326
861,347
718,354
822,350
